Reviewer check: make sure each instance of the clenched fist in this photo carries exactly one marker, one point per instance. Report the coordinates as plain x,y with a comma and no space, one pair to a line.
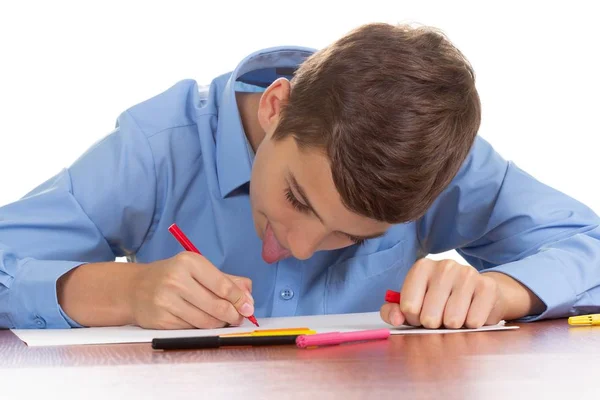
446,293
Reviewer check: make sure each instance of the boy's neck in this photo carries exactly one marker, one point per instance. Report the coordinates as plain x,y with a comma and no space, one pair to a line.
248,108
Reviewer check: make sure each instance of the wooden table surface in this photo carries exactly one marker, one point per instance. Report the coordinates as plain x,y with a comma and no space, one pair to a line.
544,359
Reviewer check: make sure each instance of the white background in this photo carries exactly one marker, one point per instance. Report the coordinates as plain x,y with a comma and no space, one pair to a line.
67,69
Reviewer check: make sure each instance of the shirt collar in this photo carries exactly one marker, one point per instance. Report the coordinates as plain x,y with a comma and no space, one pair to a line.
234,156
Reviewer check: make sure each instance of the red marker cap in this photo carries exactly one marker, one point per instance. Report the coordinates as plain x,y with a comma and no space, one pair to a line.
392,297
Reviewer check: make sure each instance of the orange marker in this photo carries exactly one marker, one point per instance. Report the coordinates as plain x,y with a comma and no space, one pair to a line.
273,332
189,246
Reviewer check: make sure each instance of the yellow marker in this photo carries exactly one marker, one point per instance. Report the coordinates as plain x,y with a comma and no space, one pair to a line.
273,332
593,319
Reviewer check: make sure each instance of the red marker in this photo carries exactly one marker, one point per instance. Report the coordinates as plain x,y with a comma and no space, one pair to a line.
392,297
189,246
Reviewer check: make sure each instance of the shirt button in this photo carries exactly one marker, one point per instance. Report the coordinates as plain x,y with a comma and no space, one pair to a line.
286,293
39,322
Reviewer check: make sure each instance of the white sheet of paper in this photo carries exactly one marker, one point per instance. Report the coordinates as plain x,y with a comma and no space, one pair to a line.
133,334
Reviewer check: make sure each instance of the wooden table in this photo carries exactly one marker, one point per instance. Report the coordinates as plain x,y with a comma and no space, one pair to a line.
540,360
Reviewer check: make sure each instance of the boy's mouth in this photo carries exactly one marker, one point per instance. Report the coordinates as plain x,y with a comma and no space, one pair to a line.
272,250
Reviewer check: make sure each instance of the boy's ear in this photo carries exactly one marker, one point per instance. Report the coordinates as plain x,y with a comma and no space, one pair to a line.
271,103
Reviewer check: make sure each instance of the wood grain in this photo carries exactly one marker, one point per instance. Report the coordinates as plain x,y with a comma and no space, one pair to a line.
537,360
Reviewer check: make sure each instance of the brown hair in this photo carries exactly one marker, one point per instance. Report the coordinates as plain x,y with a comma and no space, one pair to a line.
396,111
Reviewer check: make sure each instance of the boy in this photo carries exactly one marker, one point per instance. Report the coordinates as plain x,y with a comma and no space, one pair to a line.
345,166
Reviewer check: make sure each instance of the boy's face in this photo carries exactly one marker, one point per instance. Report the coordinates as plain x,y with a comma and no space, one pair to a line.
295,205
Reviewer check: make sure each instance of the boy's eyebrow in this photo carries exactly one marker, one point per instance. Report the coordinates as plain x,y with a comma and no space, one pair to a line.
306,201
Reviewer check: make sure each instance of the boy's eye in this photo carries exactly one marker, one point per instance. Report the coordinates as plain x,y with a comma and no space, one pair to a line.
303,208
294,201
357,241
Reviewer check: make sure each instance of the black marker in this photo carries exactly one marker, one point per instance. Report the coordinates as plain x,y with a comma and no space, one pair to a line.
213,342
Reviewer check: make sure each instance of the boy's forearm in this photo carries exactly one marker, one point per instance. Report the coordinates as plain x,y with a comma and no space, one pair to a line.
98,294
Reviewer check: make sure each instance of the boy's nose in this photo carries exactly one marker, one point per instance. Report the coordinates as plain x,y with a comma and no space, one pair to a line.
303,246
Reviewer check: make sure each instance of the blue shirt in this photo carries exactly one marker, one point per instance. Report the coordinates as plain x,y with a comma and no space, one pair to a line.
182,156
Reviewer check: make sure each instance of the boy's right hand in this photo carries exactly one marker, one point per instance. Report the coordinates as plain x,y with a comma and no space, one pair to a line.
187,291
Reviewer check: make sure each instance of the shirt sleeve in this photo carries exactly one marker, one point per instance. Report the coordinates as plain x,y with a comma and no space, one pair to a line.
100,208
501,219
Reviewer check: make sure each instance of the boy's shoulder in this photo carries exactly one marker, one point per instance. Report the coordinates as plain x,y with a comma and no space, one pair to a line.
179,106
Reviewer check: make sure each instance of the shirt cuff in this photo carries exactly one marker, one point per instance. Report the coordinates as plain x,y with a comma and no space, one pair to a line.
543,273
33,298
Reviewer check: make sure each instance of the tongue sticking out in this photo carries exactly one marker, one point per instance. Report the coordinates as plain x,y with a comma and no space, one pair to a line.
272,251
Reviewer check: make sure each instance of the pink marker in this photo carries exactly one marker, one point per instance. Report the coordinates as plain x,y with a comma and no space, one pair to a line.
333,338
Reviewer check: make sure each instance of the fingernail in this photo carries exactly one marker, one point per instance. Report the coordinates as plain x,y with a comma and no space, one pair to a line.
395,318
247,309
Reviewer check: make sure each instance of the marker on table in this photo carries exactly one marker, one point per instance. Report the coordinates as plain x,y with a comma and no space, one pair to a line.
273,332
334,338
270,337
213,342
189,246
582,320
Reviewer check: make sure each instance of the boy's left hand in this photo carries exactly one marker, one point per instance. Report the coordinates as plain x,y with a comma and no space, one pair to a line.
446,293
